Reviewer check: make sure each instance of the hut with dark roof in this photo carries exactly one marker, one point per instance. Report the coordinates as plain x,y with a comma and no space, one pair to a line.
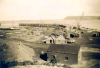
64,53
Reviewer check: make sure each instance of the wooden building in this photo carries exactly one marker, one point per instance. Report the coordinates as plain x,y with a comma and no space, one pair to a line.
49,40
64,53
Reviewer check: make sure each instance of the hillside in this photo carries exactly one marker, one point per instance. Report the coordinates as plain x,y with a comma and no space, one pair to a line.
83,18
15,53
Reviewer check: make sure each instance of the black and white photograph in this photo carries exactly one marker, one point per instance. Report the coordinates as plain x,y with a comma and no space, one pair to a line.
49,33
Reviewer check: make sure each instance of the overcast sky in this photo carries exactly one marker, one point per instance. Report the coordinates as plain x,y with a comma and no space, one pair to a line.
47,9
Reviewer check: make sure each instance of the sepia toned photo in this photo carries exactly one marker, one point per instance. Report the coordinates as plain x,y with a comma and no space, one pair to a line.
49,34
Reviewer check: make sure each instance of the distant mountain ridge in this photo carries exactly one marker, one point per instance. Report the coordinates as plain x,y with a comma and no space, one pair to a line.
83,18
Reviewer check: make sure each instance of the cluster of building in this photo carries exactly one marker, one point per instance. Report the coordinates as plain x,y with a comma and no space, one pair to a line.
55,40
61,36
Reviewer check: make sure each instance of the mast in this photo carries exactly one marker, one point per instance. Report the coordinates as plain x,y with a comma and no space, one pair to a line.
81,17
12,24
78,23
41,23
